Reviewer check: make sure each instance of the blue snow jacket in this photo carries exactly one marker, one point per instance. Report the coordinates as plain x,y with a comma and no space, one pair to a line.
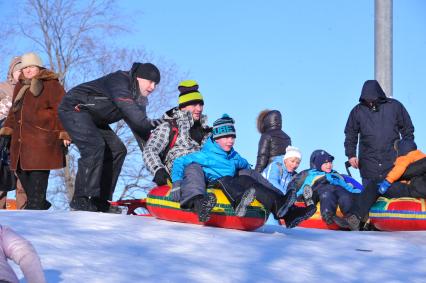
333,178
377,126
216,162
276,173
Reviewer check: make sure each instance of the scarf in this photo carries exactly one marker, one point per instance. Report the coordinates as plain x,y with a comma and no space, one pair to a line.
35,85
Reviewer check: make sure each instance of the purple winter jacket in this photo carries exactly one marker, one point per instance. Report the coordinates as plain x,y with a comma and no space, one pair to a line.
18,249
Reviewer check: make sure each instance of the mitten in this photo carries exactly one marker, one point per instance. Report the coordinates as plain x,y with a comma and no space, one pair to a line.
383,186
355,191
161,177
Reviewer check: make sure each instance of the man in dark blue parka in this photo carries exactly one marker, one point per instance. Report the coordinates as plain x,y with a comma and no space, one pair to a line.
375,123
86,112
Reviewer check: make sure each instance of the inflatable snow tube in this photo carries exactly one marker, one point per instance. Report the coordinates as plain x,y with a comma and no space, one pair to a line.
399,214
316,220
161,206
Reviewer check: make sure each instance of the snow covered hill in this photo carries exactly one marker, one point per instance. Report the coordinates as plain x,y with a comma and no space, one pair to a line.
96,247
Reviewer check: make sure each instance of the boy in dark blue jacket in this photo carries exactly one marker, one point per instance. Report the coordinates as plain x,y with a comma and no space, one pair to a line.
332,190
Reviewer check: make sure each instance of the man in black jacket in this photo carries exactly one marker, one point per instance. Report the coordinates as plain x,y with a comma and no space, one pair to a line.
86,112
375,123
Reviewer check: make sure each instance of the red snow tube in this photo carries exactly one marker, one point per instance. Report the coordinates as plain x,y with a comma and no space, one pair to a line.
160,205
399,214
316,220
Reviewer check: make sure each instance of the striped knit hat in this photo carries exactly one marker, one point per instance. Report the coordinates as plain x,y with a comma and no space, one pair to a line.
224,127
189,94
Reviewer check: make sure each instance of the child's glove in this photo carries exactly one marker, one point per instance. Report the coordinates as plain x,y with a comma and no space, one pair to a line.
161,177
383,186
175,191
350,188
354,190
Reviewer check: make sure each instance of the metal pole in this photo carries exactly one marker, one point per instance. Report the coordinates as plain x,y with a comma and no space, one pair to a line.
383,45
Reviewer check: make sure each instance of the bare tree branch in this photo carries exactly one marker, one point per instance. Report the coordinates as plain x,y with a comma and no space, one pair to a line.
76,37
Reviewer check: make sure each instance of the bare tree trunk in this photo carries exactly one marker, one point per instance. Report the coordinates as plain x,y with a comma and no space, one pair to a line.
69,178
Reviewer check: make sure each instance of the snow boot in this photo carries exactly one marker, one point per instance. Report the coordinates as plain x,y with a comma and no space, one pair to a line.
47,204
297,214
290,198
204,205
114,210
327,216
83,204
248,196
354,222
104,206
307,195
367,226
340,221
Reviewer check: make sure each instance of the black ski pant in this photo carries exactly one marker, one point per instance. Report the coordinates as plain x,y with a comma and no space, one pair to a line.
259,178
365,200
194,185
101,155
35,184
234,188
415,189
330,196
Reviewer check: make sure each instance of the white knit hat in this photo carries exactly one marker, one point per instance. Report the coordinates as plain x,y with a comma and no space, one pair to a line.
31,59
292,151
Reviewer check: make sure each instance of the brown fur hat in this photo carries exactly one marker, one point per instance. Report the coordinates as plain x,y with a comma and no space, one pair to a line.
259,120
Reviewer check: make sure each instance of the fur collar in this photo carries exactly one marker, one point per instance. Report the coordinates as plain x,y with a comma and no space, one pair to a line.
35,85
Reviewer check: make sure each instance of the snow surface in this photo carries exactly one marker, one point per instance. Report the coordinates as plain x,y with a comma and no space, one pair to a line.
97,247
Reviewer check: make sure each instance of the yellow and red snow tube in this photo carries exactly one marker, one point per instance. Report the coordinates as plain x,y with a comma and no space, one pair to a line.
161,206
399,214
316,220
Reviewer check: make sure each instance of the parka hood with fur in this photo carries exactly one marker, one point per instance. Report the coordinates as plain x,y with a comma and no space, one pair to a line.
269,120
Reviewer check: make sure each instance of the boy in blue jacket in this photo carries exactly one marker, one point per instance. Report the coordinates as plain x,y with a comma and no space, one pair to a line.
220,163
332,190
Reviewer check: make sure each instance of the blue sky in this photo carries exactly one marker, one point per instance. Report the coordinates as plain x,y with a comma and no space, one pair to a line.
307,59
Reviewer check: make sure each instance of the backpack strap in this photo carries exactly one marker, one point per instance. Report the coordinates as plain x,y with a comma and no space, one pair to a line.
173,135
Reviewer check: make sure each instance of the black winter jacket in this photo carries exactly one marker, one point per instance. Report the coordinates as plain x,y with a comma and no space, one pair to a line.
273,141
109,99
377,125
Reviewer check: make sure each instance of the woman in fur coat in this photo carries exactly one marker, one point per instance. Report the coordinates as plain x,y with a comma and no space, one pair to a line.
37,136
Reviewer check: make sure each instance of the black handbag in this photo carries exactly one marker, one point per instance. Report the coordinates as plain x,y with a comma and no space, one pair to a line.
7,177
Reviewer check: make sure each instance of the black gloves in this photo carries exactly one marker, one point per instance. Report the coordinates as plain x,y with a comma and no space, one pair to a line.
161,177
4,142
